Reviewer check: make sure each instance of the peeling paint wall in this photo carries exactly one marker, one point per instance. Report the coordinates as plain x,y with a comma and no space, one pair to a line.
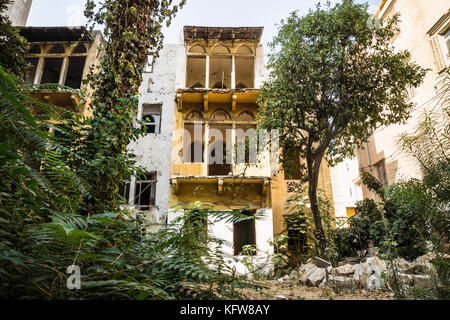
153,151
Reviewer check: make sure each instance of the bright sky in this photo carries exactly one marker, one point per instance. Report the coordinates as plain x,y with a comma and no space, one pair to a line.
226,13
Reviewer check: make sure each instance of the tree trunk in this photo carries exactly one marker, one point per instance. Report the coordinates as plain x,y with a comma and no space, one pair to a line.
313,178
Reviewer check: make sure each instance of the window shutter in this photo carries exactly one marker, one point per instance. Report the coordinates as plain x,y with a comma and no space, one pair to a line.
437,54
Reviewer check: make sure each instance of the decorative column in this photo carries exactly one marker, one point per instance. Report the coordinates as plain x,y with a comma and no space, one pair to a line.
207,73
233,72
206,150
233,153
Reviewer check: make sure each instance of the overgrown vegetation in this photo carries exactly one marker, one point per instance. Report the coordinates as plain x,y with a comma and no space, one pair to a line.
302,242
405,208
59,205
131,29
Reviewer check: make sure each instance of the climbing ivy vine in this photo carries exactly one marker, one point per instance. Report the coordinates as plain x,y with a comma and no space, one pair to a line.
132,28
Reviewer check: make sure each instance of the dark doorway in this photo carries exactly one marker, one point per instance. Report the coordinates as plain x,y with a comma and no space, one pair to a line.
219,168
244,234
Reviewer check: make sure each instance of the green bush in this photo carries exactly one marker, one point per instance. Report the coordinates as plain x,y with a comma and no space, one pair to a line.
404,206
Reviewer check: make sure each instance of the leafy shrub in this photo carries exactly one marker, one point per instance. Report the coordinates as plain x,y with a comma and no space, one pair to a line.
404,207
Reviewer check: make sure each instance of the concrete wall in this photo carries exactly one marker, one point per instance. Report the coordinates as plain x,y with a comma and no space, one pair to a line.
153,151
346,187
18,12
224,231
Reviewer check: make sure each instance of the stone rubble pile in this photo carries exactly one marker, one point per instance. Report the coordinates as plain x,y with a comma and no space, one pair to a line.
370,274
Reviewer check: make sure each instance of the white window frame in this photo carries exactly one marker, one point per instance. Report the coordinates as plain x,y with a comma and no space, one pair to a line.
149,67
69,47
156,116
444,39
439,35
137,196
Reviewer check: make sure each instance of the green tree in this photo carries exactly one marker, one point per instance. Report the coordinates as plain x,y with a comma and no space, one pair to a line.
333,80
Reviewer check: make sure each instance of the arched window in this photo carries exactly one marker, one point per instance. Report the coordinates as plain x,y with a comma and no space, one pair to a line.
33,61
194,116
57,49
244,50
220,49
245,67
196,67
79,49
35,50
197,49
76,67
245,116
220,115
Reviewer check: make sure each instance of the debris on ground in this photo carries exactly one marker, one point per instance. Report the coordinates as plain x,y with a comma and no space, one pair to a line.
317,279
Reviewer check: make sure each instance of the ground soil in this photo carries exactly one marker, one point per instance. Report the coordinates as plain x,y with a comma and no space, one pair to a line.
295,291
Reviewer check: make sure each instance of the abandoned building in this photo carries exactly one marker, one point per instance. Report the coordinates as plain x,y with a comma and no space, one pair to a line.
198,103
61,55
199,98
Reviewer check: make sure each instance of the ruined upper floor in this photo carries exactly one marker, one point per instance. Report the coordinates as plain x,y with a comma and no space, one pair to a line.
224,58
63,56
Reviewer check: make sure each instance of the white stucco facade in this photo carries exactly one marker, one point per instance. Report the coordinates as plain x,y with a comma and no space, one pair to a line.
153,151
346,187
224,231
425,33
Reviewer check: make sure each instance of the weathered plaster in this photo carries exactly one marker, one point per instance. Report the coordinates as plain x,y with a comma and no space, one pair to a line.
153,151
